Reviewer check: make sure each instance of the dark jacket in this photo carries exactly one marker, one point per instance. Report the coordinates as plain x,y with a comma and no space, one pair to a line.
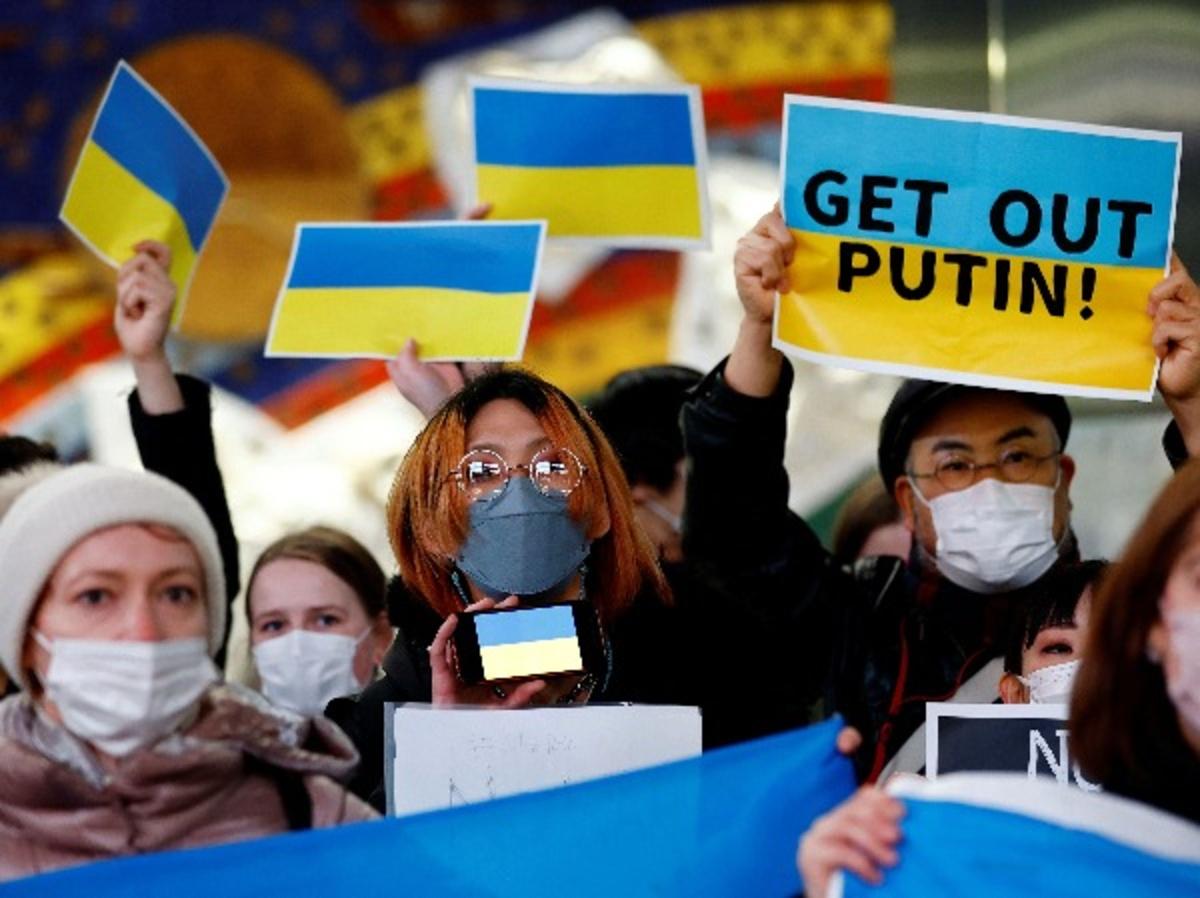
874,642
179,446
652,663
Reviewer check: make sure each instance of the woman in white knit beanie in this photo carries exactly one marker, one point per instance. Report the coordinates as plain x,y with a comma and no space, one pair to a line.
123,740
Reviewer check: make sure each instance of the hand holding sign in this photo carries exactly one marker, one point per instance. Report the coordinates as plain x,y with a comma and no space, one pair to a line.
449,690
145,296
760,265
1174,305
145,299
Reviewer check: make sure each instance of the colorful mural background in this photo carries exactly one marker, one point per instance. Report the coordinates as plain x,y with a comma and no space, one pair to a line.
316,111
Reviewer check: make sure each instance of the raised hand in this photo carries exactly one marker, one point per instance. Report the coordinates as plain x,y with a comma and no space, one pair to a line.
1174,304
760,265
145,297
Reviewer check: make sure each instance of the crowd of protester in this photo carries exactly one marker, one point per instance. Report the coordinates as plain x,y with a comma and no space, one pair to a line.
663,505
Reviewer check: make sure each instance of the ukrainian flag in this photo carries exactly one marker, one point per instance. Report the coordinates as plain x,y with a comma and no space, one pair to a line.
143,173
518,644
891,279
618,166
462,290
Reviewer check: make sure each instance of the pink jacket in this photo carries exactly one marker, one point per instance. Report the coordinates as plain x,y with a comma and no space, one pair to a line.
59,807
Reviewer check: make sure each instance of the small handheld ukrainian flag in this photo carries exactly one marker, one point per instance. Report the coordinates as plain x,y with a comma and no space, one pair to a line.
612,165
461,289
143,174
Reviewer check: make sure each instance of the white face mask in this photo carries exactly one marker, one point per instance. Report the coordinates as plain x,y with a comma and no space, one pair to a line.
119,695
303,670
1052,685
994,536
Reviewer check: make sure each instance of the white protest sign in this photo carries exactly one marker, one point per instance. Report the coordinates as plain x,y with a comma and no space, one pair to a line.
445,757
1030,739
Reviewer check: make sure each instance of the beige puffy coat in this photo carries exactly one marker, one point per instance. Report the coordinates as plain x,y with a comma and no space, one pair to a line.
59,807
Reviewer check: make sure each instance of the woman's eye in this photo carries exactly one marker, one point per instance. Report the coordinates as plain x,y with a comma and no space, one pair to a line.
1058,648
92,597
180,594
329,620
271,626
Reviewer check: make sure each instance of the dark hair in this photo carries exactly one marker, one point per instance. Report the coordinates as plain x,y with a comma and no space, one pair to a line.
18,453
337,551
1125,731
867,508
638,410
427,522
1051,603
917,401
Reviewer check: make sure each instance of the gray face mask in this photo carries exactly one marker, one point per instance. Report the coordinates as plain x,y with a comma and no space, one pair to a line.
522,542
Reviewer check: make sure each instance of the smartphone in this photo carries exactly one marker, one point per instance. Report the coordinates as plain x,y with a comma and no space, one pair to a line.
530,642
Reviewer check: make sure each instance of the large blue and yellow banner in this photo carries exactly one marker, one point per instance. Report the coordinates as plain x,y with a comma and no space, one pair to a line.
723,824
975,248
461,289
999,835
143,174
617,166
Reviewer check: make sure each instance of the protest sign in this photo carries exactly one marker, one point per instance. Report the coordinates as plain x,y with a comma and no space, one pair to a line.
627,835
461,289
975,248
1030,739
992,835
613,165
143,174
444,757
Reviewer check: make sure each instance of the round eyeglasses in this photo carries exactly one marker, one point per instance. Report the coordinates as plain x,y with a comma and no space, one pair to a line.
956,472
483,473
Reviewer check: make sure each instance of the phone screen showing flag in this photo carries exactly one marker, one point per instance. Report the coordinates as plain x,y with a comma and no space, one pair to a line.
528,642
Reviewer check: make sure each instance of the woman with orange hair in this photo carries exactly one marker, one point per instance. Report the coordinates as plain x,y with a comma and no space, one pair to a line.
511,495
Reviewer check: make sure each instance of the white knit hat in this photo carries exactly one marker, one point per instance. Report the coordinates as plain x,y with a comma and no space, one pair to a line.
54,513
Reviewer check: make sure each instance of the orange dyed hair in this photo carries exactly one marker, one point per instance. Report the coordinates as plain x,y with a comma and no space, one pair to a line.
428,515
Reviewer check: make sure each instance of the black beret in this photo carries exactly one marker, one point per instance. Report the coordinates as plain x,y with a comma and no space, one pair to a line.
916,402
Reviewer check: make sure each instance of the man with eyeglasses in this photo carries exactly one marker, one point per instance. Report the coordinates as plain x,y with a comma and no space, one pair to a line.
982,481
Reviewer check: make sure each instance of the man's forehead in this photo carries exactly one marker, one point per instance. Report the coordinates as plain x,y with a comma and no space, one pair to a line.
983,419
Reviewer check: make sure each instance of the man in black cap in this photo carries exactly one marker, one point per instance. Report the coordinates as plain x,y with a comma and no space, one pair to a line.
982,480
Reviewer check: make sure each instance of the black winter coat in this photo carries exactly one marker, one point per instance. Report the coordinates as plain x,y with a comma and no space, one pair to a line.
874,643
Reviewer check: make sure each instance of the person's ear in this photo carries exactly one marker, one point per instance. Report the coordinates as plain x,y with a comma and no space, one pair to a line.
381,637
902,491
1066,464
1156,642
1013,691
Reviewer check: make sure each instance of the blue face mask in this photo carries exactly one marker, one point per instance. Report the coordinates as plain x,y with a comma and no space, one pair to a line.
522,542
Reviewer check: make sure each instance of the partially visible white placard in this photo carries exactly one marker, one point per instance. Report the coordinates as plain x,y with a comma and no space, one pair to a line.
445,757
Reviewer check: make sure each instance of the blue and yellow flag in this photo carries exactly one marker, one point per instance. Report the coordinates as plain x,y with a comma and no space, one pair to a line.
723,824
999,835
462,290
618,166
519,643
143,174
975,248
